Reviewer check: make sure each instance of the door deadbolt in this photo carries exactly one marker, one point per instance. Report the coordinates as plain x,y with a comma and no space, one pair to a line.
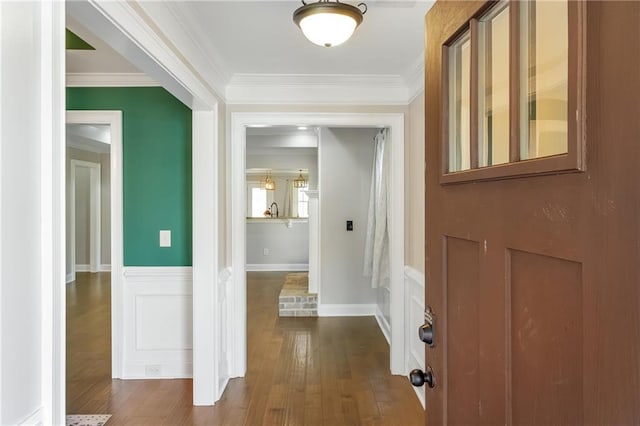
419,378
426,331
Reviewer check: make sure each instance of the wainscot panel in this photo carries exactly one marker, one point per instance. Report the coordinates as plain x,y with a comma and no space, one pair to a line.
158,312
414,308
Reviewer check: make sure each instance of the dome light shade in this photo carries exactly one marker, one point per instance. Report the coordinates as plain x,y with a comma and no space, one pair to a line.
328,23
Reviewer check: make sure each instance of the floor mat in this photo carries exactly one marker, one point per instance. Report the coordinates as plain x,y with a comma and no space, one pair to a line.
87,419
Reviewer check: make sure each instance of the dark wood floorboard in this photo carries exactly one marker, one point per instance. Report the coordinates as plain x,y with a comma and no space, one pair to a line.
300,371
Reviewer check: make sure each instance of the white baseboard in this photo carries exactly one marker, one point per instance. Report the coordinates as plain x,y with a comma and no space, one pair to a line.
263,267
383,324
33,419
344,310
159,370
83,268
87,268
70,278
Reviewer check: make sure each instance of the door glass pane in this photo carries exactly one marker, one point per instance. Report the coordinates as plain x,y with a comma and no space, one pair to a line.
544,78
460,104
493,86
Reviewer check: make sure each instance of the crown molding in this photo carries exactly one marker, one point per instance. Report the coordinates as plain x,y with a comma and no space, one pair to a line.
317,89
110,80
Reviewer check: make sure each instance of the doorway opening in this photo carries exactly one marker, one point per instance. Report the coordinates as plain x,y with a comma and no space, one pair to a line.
281,170
94,188
240,123
87,225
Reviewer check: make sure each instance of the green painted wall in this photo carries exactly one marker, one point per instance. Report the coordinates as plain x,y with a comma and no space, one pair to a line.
156,169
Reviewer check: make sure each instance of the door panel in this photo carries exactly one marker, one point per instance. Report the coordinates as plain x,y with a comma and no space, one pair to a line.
535,280
463,329
546,339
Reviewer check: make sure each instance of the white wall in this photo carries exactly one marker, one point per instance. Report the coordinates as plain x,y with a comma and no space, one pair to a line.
346,157
30,135
105,204
287,246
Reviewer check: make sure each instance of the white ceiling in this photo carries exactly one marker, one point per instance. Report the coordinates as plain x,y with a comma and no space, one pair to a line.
259,37
260,53
89,137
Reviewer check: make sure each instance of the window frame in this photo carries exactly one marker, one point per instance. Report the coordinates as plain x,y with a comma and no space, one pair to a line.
571,162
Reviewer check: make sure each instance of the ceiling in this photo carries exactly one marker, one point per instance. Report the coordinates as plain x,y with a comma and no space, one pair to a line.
259,37
252,52
89,137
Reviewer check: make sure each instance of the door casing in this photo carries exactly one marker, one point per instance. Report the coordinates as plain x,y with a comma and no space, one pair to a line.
237,148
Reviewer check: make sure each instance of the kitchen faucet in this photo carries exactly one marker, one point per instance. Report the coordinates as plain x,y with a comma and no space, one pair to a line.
271,209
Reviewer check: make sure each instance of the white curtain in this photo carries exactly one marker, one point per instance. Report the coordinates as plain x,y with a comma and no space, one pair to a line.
289,200
376,254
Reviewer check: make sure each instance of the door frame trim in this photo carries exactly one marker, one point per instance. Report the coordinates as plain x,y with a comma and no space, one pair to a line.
236,147
95,215
114,120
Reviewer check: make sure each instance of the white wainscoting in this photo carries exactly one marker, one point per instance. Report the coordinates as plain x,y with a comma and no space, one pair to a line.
384,325
224,366
414,309
157,323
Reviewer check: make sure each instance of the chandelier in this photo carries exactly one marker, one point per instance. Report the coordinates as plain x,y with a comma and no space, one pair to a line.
269,184
328,23
300,181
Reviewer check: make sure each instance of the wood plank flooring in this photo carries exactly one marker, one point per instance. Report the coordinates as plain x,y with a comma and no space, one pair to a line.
301,371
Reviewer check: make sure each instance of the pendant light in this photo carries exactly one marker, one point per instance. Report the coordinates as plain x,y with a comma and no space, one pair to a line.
269,184
300,181
328,23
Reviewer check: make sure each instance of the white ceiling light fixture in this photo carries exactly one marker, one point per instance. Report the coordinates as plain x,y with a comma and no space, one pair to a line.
328,23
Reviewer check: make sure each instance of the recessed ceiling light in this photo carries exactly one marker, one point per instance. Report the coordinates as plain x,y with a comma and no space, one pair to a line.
302,128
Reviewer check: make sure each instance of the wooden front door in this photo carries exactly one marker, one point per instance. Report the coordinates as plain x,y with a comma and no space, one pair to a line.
533,259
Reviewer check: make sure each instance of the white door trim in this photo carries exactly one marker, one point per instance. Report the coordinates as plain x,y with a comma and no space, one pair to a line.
236,146
114,120
94,215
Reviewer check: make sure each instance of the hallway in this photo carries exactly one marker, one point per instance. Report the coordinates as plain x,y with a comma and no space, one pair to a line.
301,371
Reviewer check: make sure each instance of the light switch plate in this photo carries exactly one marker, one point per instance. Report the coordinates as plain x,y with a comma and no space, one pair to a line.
165,238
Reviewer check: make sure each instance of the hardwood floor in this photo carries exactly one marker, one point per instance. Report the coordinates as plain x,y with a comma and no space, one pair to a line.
301,371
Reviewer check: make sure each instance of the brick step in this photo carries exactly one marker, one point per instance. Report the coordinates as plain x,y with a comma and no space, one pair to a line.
298,306
295,300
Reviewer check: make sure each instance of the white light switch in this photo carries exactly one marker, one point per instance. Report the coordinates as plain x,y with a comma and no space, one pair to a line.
165,238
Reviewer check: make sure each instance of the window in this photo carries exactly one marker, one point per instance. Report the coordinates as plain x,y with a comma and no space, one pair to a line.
303,202
511,86
258,199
